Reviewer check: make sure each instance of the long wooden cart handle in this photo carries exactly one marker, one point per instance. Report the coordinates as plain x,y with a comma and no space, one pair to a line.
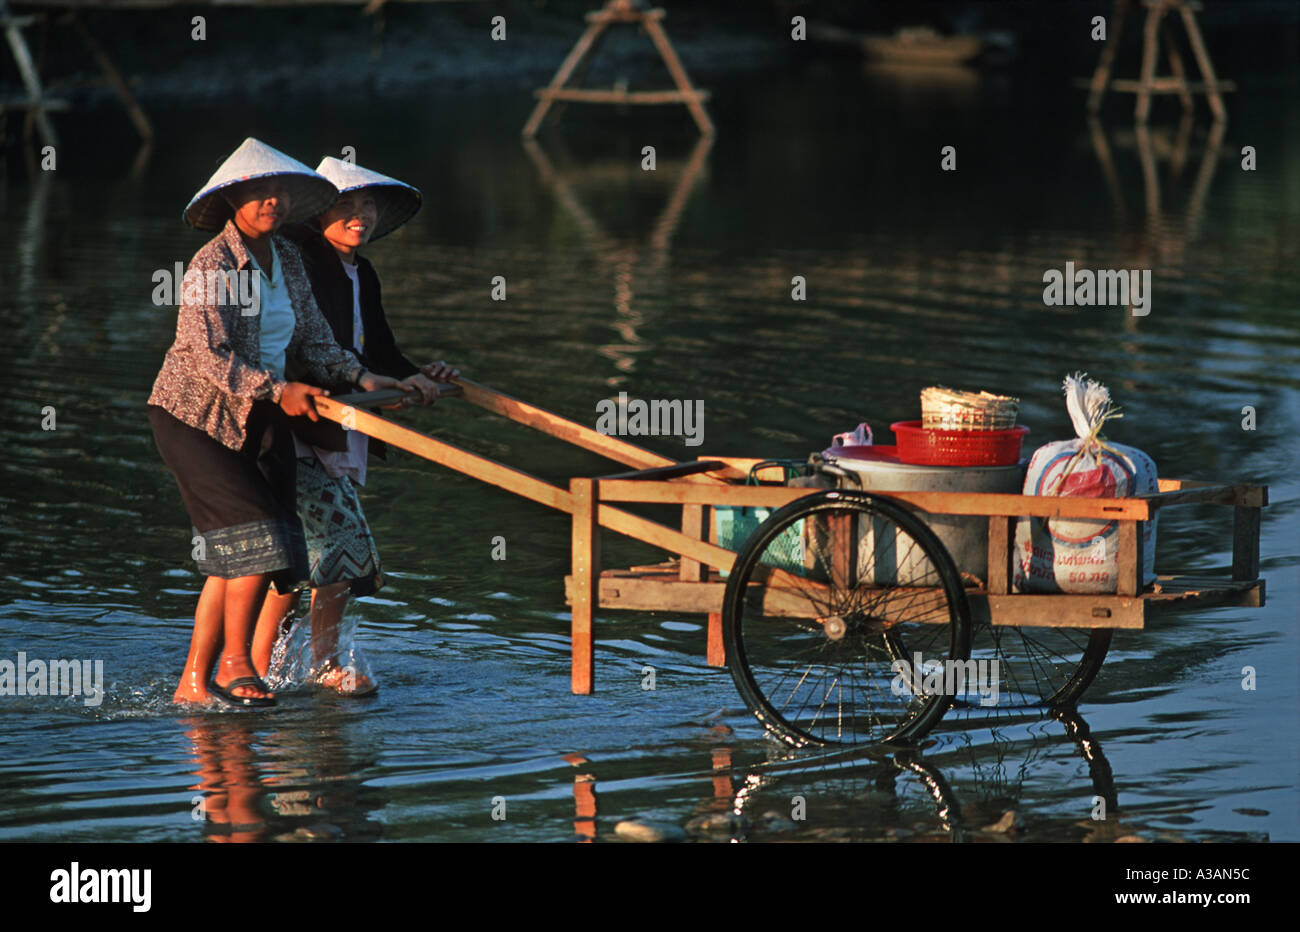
548,423
521,412
388,395
520,482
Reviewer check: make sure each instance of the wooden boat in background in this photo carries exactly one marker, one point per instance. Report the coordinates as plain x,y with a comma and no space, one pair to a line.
912,45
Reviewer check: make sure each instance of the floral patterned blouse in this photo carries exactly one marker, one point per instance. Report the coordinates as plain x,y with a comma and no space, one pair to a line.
212,373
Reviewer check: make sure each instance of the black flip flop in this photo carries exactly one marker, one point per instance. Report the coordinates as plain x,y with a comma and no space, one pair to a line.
225,694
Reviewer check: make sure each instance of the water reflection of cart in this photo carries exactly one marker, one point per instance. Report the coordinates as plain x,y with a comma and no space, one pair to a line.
957,793
837,589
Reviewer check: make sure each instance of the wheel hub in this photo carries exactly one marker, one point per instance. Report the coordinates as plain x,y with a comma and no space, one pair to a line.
837,627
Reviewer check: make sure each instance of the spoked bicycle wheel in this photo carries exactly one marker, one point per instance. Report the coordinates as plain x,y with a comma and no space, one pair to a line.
1040,666
825,596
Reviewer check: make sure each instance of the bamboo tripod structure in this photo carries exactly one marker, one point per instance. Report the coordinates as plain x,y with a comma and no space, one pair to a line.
37,104
629,12
1156,32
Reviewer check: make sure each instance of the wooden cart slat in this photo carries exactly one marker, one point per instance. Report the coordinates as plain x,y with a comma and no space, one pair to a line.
947,503
658,587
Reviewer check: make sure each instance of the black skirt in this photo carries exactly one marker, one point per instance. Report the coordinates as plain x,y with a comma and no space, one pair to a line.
242,505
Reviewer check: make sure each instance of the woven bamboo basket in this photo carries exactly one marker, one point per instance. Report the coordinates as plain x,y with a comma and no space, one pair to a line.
948,409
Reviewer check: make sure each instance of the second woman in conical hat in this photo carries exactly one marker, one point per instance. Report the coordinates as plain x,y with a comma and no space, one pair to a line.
341,549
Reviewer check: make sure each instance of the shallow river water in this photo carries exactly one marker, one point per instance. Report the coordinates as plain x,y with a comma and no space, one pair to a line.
667,284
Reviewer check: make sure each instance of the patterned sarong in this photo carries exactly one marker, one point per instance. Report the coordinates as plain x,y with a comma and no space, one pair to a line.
340,546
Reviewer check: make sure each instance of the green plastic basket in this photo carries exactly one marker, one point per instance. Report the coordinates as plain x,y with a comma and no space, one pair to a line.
733,524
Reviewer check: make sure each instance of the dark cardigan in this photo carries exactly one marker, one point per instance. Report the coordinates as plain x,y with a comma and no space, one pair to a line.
333,290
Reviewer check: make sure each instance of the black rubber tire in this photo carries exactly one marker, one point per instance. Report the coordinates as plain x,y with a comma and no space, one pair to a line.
872,633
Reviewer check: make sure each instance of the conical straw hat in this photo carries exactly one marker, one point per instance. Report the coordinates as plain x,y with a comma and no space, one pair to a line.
309,193
397,202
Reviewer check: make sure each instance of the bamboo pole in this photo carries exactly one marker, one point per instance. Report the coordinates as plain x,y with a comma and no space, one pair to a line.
115,80
1149,54
1176,66
694,100
1203,60
27,70
613,96
581,49
1101,77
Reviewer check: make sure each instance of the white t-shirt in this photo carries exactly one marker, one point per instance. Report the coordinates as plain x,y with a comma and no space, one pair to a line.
277,321
352,461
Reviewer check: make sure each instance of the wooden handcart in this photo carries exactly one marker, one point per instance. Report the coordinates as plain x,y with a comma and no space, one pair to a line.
830,610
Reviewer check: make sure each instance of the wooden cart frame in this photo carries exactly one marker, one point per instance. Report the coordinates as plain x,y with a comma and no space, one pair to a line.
692,583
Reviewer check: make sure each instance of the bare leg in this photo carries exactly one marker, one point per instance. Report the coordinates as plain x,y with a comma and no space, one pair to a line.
274,610
209,620
327,605
244,597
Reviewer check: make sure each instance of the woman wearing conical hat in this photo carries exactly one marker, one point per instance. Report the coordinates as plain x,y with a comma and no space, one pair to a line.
251,347
341,549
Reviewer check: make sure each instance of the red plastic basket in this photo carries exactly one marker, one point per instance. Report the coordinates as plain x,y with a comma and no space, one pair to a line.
922,447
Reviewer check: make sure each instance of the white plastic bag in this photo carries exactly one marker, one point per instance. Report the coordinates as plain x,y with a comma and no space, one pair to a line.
1080,555
860,436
